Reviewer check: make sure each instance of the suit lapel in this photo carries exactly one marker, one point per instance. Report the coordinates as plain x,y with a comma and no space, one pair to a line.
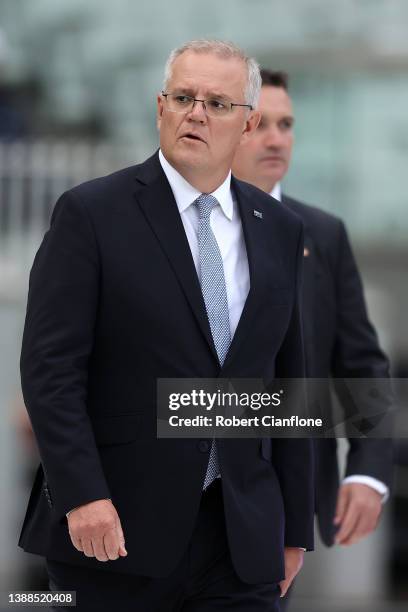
311,275
264,262
308,298
157,203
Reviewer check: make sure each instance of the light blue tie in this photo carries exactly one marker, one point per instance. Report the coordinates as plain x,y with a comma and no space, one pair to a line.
212,280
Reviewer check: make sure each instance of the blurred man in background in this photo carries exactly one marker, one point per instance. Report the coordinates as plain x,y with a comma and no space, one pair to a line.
340,341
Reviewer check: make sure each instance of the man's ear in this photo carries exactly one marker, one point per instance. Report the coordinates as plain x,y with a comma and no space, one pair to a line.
251,124
160,108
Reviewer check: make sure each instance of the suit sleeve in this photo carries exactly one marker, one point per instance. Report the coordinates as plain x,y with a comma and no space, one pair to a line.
57,346
357,354
293,458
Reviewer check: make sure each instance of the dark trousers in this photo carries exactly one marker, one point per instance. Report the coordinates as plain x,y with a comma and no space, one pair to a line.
204,581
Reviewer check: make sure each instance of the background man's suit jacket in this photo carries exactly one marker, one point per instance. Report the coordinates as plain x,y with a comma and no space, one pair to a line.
339,342
115,303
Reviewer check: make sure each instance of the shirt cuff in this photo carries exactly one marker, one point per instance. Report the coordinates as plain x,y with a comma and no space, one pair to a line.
375,484
68,513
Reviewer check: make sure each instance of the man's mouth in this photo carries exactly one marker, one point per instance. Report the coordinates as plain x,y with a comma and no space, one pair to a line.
272,158
191,136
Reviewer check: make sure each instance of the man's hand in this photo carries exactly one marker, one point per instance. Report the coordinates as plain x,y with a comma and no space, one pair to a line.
358,511
293,564
96,531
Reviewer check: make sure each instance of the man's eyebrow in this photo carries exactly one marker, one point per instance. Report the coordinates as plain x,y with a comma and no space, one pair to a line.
217,95
209,94
267,119
184,90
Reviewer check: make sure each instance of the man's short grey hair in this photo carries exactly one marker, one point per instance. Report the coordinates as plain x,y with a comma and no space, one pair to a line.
225,50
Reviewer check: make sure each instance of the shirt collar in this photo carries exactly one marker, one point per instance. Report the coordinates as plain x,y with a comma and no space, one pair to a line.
185,194
277,192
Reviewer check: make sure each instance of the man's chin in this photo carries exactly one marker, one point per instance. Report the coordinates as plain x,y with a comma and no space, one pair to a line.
272,173
189,156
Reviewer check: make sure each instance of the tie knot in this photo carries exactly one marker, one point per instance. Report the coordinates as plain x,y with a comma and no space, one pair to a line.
205,203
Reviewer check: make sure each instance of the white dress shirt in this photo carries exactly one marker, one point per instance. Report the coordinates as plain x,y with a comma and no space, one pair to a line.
374,483
226,224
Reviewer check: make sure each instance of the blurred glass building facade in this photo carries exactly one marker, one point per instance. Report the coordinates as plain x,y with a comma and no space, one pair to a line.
98,66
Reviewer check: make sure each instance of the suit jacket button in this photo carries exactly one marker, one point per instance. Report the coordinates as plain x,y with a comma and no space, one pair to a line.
204,446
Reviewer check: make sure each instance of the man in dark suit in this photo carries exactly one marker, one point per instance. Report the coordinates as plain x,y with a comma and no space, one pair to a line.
163,270
339,339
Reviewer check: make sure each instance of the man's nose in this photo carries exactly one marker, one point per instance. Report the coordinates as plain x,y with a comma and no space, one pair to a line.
198,113
273,137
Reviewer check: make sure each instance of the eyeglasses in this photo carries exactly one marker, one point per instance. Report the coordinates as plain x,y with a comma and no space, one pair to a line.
180,103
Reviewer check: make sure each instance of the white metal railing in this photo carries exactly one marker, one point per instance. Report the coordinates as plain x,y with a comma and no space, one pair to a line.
32,177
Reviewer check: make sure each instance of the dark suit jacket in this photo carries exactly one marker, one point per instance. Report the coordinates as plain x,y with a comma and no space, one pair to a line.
115,303
339,342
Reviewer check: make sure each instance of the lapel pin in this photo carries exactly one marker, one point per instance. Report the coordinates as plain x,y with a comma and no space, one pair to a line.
306,252
258,214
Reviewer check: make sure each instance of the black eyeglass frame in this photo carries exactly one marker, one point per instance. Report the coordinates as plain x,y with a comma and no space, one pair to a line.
206,100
